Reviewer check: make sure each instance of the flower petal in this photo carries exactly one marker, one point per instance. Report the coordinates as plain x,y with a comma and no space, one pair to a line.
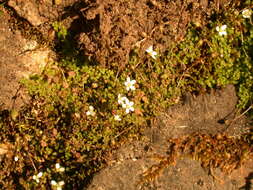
57,166
40,174
223,27
130,104
149,49
61,183
53,182
117,118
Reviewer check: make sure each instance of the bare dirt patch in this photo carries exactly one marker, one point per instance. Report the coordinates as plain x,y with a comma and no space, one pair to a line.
118,27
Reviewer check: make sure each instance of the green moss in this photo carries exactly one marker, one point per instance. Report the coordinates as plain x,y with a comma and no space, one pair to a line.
60,30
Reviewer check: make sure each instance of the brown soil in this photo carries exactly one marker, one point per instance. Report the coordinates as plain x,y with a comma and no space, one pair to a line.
117,27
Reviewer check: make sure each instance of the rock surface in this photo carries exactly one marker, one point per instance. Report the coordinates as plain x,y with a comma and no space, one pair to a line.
201,114
19,57
27,9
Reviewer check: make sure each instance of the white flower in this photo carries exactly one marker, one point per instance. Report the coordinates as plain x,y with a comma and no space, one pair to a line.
151,52
128,106
117,118
58,185
130,84
53,182
40,174
59,168
91,111
122,100
36,177
246,13
15,158
222,30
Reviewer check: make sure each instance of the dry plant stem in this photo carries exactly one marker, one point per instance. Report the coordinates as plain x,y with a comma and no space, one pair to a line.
123,132
215,177
15,97
243,42
180,18
32,162
218,4
62,74
238,117
249,108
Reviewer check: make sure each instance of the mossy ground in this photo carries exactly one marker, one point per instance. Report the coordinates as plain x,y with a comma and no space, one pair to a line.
55,127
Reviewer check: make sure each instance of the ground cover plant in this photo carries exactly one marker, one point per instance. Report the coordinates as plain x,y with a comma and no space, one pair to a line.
80,110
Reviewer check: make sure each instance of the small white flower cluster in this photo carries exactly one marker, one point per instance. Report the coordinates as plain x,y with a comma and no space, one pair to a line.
37,177
59,168
117,117
246,13
222,30
151,52
91,111
57,185
130,84
125,103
